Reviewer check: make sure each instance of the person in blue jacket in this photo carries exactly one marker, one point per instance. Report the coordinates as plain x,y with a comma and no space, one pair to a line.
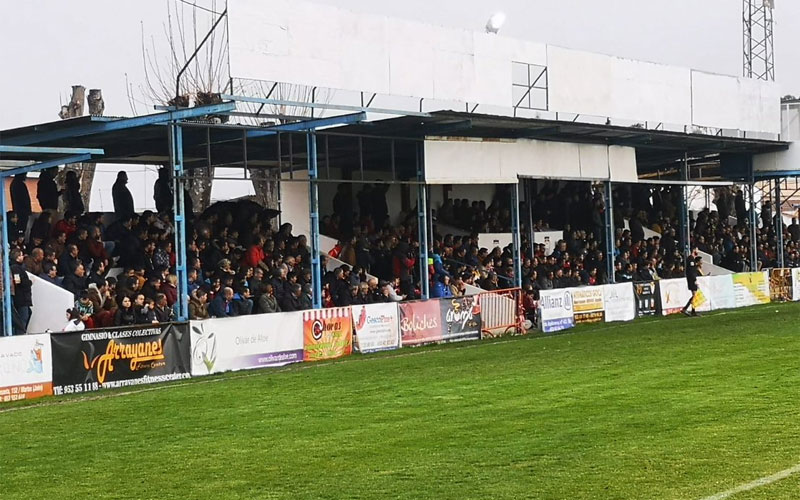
441,287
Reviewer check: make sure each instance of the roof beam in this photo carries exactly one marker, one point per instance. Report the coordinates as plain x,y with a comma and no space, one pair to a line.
125,123
46,164
321,105
46,150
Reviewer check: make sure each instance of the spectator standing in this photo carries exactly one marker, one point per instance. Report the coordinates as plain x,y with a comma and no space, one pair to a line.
72,194
23,300
123,200
162,191
21,200
47,190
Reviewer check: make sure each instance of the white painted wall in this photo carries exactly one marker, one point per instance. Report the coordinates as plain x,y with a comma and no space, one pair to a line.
299,42
480,161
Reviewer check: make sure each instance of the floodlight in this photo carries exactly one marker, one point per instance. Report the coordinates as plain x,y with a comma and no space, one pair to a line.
496,22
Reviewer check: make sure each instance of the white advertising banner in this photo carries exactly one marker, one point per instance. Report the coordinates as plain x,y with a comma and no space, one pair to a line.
718,290
674,295
620,302
246,342
26,367
555,310
377,327
796,284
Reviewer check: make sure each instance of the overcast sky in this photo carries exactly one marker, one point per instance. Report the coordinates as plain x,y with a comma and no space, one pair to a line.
48,45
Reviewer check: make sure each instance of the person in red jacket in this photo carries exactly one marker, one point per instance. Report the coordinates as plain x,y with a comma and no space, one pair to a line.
402,266
255,255
67,225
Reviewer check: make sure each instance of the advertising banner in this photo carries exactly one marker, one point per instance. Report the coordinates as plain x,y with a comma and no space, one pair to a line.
674,294
377,327
619,301
245,342
796,284
646,298
751,288
555,310
587,304
120,357
420,322
461,318
327,334
780,285
26,367
719,290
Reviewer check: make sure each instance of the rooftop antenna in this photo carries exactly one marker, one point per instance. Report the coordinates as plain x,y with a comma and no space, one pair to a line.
759,52
495,22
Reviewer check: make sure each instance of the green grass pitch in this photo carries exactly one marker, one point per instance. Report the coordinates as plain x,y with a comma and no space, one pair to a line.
659,408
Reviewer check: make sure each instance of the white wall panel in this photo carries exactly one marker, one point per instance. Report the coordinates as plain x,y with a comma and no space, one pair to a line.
498,162
781,161
735,103
294,41
622,163
601,85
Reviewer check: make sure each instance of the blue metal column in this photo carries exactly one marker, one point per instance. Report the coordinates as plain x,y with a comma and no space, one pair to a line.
515,235
422,227
610,235
685,227
779,225
529,201
313,202
4,253
179,210
753,221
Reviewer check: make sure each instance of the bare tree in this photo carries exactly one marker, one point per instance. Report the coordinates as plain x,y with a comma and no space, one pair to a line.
184,67
74,109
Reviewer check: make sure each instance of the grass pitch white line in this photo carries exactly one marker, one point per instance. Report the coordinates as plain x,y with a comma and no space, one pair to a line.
758,483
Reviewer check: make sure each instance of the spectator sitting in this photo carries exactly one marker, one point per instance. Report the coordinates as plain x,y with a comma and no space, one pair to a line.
441,287
85,309
198,304
222,306
162,310
74,323
125,314
267,303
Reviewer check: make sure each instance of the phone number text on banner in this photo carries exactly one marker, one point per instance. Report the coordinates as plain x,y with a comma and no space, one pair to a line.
377,327
120,357
555,310
26,367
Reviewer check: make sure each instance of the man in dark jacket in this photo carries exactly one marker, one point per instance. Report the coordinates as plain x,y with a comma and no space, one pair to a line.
222,306
162,191
22,291
75,282
21,200
123,200
47,190
293,301
162,310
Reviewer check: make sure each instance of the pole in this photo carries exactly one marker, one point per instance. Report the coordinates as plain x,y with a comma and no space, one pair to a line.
779,225
685,214
179,214
752,217
422,227
515,234
313,202
4,252
610,236
529,200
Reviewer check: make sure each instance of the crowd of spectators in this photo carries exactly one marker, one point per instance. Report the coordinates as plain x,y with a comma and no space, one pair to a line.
238,265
